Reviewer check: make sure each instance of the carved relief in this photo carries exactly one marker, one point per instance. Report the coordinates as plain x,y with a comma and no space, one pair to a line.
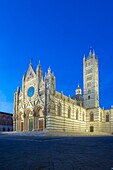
53,105
41,88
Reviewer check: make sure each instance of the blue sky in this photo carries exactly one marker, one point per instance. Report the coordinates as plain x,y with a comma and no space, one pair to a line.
58,33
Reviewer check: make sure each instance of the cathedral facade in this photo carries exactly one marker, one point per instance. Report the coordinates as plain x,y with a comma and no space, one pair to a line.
38,106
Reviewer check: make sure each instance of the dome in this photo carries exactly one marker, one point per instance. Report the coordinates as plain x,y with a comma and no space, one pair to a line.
78,97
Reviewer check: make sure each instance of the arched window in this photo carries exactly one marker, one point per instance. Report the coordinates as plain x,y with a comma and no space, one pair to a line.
100,116
4,120
91,117
9,121
83,117
69,112
77,114
59,109
89,91
88,97
107,117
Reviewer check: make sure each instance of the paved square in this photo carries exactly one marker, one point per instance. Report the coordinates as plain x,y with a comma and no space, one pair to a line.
55,153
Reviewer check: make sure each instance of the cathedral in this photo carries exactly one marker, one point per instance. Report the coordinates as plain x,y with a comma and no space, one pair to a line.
38,106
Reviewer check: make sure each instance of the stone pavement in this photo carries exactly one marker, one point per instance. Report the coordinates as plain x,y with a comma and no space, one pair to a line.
39,152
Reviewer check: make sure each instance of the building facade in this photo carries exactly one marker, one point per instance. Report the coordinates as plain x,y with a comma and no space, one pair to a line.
38,106
91,82
6,121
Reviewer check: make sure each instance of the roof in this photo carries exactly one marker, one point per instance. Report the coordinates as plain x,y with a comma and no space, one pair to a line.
6,113
78,97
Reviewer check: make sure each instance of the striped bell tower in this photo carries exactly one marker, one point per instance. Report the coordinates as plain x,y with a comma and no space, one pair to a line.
90,79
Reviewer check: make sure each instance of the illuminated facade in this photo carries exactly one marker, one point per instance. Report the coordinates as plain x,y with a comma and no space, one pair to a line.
38,106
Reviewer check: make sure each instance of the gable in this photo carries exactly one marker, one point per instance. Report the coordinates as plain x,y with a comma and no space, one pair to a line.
30,73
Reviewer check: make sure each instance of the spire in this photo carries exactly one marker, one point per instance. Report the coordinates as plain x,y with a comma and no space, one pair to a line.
90,52
93,53
18,89
78,86
49,70
38,66
31,61
24,76
39,71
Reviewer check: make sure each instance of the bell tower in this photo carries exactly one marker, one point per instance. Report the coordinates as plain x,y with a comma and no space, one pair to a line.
90,79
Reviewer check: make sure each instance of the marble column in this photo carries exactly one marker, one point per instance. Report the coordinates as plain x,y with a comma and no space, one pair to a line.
18,125
24,122
34,122
44,121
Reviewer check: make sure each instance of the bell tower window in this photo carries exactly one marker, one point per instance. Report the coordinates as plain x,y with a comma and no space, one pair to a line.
107,117
88,97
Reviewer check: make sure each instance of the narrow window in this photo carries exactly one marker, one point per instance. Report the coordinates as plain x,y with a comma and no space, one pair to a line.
59,109
69,112
88,97
77,114
100,116
91,117
107,117
89,91
83,117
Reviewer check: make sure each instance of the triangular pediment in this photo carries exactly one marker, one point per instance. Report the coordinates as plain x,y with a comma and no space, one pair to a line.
30,73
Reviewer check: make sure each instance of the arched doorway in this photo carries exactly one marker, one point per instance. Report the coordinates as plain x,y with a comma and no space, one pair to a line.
91,128
28,120
39,122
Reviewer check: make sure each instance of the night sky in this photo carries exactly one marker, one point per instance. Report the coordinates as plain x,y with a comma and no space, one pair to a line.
58,33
